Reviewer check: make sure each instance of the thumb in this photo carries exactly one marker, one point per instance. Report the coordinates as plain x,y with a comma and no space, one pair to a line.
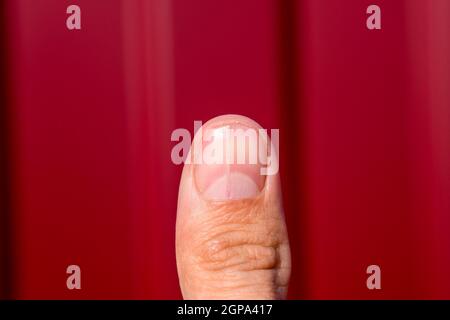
231,238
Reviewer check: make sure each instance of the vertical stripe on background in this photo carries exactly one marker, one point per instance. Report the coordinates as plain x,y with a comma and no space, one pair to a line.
150,116
429,141
5,210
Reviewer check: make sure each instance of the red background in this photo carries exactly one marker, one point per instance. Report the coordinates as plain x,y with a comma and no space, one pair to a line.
364,119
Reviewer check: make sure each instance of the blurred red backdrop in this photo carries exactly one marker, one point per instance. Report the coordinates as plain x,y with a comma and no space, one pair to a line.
364,121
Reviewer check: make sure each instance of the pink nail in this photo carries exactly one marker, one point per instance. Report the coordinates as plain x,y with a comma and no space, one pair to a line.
230,168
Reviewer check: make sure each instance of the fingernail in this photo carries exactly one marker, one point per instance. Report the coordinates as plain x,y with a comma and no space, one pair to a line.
230,168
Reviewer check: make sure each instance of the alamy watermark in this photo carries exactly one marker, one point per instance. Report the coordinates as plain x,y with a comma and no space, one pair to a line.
227,145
